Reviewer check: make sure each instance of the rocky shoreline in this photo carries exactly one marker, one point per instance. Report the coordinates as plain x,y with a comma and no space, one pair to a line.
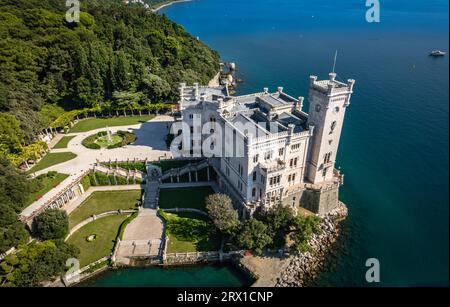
304,267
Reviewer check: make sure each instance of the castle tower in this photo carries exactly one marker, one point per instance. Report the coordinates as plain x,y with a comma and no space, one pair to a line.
328,101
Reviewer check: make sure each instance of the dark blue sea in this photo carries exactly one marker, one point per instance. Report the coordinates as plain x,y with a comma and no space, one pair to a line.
394,147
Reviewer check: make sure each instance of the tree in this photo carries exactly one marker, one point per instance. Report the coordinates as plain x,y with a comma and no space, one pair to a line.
11,136
14,190
305,227
52,224
254,236
127,100
12,231
221,211
279,220
14,186
36,262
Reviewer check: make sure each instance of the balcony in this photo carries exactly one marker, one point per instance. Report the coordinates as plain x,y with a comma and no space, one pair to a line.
274,167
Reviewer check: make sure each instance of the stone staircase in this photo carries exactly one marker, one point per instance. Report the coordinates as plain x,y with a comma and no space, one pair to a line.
152,187
151,195
118,171
191,167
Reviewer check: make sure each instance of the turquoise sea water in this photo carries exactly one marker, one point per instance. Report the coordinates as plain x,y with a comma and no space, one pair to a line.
394,148
190,276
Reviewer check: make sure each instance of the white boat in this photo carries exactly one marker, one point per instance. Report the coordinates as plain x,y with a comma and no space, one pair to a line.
437,53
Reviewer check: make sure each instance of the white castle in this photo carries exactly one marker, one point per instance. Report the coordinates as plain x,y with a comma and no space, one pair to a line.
287,156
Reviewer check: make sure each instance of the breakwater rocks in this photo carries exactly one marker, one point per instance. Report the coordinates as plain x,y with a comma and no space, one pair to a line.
304,267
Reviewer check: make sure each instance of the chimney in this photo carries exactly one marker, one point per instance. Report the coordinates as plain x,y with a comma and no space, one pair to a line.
312,79
266,90
280,89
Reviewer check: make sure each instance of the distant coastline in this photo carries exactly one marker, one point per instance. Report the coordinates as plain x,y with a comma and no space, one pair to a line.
168,4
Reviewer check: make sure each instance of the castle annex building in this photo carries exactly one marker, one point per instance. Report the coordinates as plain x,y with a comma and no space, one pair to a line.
286,156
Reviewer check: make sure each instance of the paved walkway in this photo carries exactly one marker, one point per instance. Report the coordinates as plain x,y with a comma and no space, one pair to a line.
268,269
142,237
150,144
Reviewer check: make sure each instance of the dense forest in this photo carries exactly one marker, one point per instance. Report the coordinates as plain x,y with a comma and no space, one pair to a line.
49,65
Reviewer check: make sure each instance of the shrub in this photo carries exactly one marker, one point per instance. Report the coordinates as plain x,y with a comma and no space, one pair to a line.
305,227
89,142
127,137
86,182
92,179
52,224
121,180
102,179
112,179
52,174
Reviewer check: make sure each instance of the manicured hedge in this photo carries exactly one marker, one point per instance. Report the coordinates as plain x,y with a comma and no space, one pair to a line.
112,179
89,142
86,182
121,180
102,179
127,137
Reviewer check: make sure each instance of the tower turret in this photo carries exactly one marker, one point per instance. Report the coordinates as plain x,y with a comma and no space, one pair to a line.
328,100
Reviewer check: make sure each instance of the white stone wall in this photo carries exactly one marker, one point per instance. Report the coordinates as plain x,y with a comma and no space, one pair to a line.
326,114
296,158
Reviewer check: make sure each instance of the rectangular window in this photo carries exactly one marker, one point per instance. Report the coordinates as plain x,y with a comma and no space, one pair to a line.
254,176
255,159
295,146
327,158
295,162
280,151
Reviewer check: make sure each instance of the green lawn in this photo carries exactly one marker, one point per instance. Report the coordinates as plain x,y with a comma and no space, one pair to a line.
42,184
105,229
51,159
184,198
64,142
104,142
104,201
191,234
96,123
